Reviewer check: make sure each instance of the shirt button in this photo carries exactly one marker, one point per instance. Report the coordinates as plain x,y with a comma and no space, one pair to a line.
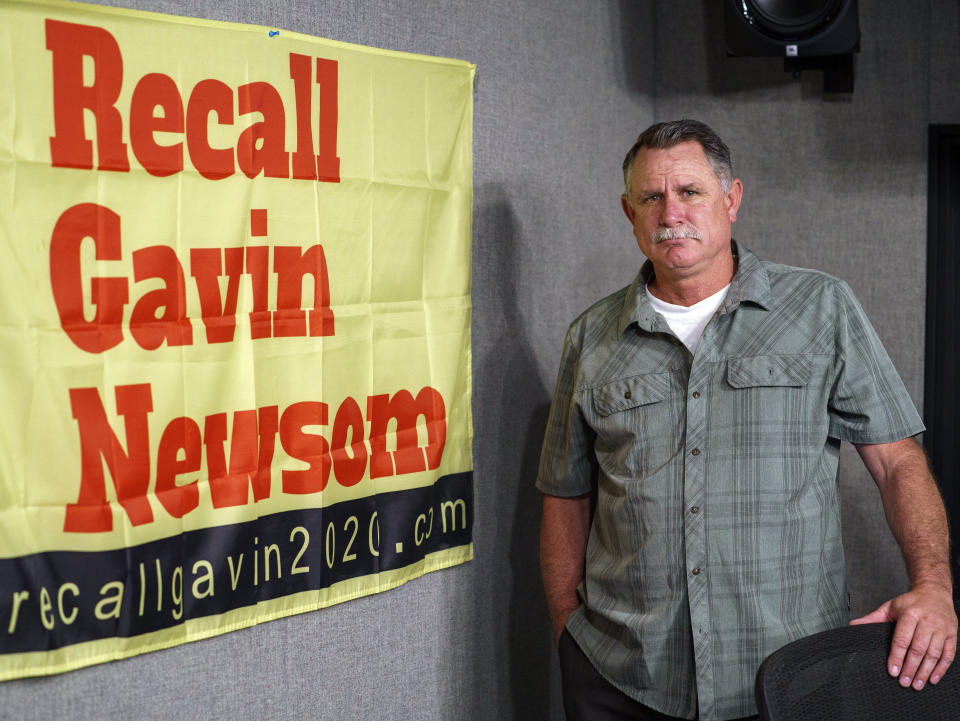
696,394
695,572
695,452
627,395
695,509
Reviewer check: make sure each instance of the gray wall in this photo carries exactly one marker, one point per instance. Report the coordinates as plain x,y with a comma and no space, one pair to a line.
564,87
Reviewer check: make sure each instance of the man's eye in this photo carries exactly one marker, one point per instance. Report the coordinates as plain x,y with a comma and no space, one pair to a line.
651,198
689,193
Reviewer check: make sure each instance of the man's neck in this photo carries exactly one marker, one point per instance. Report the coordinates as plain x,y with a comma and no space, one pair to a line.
687,291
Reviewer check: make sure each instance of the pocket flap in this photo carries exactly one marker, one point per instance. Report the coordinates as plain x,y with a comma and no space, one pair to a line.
769,370
631,392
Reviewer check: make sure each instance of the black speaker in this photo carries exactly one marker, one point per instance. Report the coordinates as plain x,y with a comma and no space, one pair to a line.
792,28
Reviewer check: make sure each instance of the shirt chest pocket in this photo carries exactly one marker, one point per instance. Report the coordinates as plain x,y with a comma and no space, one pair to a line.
770,371
638,424
771,404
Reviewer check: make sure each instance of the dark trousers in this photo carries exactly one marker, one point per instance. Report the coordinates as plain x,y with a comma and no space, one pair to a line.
588,696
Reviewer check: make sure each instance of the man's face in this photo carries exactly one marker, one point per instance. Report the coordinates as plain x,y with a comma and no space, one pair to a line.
681,217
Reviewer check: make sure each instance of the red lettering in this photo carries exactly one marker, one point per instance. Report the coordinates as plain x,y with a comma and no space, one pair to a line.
160,315
312,449
348,467
130,470
156,106
304,161
181,434
149,327
258,263
252,445
156,90
328,163
261,146
250,460
109,295
209,96
69,147
205,267
409,457
291,266
258,222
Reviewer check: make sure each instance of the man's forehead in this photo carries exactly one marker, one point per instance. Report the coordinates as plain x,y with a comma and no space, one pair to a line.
688,155
685,162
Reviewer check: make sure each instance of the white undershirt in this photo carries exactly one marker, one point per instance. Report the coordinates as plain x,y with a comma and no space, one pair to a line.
688,322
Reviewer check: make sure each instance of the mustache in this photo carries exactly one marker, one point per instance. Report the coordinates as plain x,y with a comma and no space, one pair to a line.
682,231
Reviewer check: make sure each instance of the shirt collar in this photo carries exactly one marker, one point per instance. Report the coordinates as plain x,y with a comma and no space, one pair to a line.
750,284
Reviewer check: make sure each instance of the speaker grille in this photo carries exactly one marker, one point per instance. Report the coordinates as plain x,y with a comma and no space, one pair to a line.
789,19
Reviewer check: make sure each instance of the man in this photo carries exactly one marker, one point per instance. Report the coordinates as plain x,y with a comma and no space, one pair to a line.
691,521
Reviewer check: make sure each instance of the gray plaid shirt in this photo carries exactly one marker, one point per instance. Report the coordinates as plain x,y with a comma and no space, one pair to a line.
716,534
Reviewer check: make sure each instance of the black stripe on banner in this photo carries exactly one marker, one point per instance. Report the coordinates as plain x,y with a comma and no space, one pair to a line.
56,599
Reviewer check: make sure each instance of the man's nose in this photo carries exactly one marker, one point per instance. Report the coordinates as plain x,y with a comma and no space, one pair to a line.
671,211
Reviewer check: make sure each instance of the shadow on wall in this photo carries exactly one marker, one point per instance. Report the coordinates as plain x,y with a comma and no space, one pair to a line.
513,405
636,26
531,644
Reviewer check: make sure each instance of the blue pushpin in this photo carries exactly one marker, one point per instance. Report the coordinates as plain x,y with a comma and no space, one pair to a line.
274,32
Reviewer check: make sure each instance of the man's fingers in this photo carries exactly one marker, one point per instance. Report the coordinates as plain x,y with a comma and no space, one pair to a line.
913,658
902,639
946,658
927,657
927,664
924,638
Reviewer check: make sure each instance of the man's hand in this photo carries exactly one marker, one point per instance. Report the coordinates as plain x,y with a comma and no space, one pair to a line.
925,637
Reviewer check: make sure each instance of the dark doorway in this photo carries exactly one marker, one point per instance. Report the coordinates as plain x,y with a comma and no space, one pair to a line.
941,401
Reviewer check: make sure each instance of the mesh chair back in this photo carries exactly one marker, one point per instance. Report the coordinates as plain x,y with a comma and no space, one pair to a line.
841,675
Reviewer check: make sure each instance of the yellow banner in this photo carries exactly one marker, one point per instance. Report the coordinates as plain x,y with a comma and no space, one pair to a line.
235,327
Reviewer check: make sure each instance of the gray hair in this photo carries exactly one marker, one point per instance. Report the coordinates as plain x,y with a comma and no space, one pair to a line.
673,132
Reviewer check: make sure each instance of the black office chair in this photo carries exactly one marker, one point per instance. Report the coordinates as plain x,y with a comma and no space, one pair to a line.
841,675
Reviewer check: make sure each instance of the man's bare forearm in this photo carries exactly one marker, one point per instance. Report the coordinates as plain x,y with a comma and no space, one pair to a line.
564,530
914,509
925,638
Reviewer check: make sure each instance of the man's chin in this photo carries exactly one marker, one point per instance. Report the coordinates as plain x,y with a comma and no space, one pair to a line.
678,254
678,245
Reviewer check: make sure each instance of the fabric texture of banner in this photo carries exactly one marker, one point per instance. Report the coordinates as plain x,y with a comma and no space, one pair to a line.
235,321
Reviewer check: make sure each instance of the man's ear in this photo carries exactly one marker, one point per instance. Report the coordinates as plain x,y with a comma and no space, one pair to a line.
627,208
733,199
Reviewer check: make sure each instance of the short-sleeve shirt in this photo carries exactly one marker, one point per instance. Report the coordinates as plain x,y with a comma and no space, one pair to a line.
715,538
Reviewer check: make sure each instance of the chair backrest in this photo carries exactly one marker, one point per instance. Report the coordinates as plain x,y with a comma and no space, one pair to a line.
841,675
